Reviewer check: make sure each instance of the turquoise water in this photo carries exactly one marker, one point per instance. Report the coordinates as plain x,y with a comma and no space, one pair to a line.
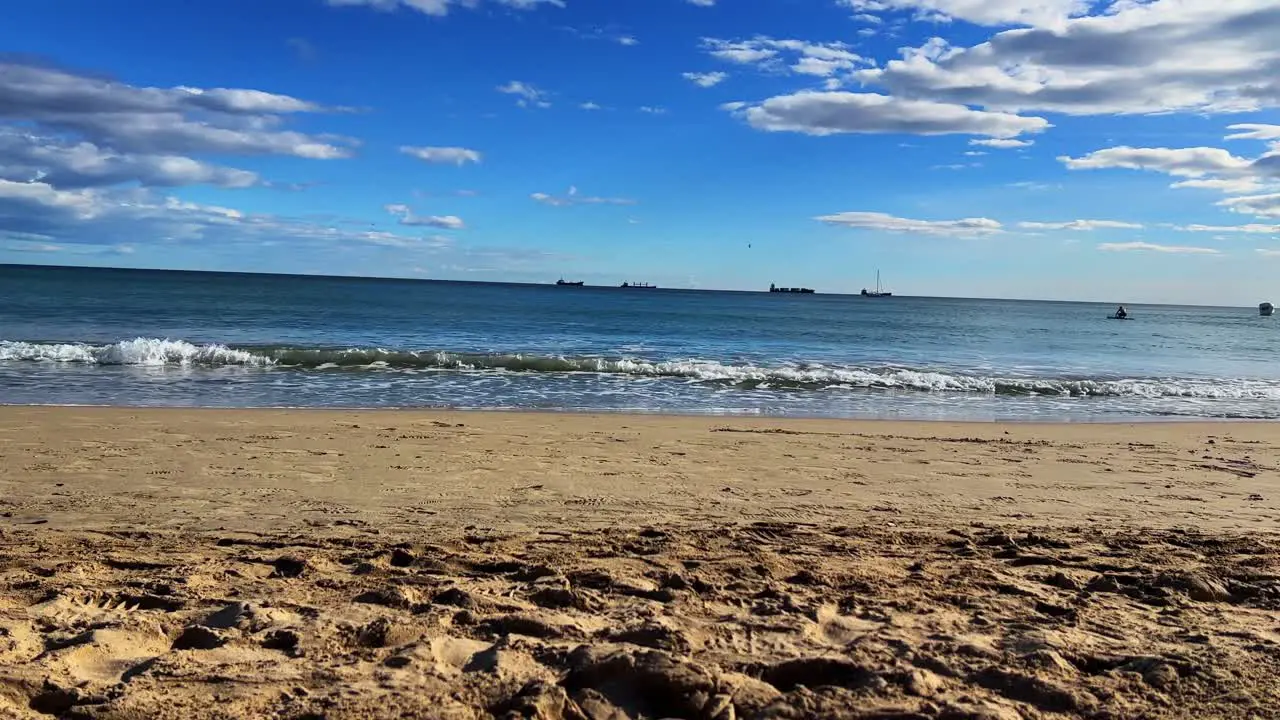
128,337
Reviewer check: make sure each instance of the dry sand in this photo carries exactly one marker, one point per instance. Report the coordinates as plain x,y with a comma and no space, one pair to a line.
289,564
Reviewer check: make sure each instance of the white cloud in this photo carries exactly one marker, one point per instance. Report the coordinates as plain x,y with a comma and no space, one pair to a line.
24,156
113,217
119,120
590,106
653,110
967,227
1251,228
1033,185
607,33
1083,225
442,155
1184,162
828,113
1204,168
1159,56
1254,131
702,3
247,101
572,197
820,59
1259,205
26,246
1267,252
1150,247
440,8
1002,143
981,12
409,219
707,79
527,95
121,221
1231,186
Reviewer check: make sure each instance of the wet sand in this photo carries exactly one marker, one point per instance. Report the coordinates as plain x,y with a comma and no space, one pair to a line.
298,564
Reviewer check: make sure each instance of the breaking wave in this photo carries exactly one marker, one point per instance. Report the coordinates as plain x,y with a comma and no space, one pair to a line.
796,376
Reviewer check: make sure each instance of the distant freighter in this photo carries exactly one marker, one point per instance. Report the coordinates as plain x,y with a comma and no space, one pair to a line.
775,289
642,286
565,283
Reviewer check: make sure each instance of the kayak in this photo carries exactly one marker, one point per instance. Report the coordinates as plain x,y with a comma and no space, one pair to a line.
1118,317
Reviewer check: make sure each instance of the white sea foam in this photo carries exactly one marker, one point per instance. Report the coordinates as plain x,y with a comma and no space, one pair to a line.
139,351
789,377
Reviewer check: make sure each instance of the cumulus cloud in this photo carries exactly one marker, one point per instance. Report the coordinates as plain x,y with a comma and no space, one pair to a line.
1260,205
1182,162
63,164
966,227
590,106
1252,182
979,12
1151,247
147,120
702,3
829,113
67,132
440,8
707,79
526,94
573,197
1139,57
819,59
1267,252
1083,225
442,155
1204,167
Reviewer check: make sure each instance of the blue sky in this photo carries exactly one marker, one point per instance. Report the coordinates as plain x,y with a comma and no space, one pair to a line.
1061,149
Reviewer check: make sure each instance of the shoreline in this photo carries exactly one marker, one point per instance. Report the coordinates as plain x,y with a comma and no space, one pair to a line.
604,413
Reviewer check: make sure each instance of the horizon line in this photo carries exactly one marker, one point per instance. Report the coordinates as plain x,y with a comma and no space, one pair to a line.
383,278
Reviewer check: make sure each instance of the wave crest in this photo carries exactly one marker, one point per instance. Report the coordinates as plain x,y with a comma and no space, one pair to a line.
798,376
139,351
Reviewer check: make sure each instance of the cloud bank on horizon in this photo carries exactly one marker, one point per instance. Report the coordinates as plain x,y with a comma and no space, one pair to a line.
1059,148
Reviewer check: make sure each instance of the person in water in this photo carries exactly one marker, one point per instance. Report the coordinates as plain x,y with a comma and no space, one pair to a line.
1121,312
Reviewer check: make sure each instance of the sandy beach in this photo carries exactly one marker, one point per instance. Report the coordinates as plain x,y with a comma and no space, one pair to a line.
334,564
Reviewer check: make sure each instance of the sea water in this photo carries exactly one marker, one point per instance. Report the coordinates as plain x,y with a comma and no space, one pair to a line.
159,338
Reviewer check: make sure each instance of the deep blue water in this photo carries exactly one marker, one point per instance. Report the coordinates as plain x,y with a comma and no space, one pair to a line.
128,337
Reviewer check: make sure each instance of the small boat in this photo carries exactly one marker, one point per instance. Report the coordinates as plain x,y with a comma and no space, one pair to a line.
878,292
564,283
1266,309
1113,316
639,286
802,290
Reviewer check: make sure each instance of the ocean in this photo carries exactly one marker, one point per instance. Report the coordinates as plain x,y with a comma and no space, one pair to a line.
77,336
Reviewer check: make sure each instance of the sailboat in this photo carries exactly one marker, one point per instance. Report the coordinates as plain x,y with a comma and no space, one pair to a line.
878,292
